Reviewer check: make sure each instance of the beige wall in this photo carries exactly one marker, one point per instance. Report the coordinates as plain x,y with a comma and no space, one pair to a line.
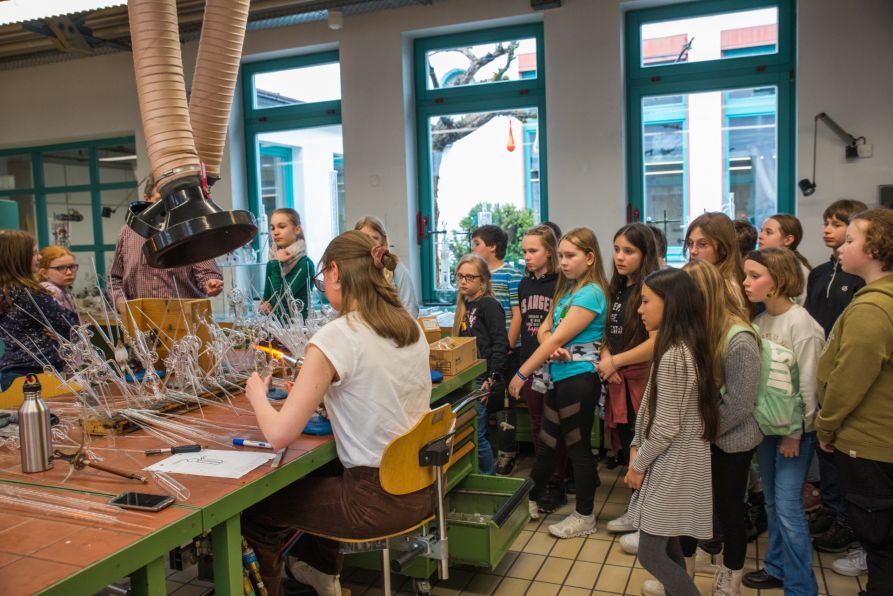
842,49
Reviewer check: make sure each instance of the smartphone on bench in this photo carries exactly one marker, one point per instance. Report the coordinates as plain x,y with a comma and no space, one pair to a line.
142,501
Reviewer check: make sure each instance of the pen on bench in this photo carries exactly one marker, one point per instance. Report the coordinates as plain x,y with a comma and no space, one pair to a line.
250,443
176,449
278,459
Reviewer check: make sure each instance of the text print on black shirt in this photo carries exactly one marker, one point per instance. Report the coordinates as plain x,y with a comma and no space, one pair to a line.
540,305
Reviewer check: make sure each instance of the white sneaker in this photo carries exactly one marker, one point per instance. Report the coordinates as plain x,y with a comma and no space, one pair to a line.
853,564
629,543
652,587
324,584
534,509
705,562
624,523
574,525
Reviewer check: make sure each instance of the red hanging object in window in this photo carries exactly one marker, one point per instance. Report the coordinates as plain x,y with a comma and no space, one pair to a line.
510,146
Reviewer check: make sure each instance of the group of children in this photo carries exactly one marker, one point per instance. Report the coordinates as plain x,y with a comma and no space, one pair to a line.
689,366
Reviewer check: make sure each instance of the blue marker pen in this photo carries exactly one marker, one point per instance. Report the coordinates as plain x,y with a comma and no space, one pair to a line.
250,443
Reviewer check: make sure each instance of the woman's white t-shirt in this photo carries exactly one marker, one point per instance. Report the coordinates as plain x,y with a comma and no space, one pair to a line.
381,393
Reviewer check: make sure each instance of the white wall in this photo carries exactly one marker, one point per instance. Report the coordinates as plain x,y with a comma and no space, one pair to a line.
845,66
843,50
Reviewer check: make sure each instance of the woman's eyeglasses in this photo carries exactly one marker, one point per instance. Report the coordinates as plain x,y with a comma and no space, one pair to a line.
467,277
65,268
318,280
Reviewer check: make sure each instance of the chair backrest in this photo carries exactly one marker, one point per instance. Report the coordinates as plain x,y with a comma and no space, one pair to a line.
50,386
399,471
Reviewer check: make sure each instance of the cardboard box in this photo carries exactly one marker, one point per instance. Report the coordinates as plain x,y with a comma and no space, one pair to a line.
171,319
452,355
431,328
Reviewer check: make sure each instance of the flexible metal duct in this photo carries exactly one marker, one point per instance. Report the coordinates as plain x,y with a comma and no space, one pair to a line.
216,70
161,90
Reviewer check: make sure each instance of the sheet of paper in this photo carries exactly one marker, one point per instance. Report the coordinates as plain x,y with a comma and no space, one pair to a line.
213,462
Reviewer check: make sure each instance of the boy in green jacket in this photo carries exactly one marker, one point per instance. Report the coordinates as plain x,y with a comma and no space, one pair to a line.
855,376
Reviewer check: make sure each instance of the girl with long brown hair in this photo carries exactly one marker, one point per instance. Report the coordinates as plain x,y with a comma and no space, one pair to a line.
712,237
670,453
370,368
29,316
571,337
626,355
736,369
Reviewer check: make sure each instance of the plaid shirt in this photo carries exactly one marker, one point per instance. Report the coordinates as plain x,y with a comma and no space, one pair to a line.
132,277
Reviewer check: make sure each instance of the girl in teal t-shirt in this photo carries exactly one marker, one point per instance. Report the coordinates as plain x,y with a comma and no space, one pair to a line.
570,337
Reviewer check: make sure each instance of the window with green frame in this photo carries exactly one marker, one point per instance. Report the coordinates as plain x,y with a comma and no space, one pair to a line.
480,118
710,112
294,148
74,194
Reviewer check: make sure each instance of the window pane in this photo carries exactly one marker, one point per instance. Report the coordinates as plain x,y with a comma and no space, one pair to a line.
510,60
293,86
117,163
712,37
15,172
485,170
114,210
66,168
70,218
713,151
24,206
303,169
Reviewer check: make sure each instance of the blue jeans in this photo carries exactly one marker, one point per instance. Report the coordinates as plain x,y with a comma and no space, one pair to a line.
789,557
485,451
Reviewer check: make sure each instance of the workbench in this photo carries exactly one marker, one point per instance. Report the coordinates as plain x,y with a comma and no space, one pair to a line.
50,556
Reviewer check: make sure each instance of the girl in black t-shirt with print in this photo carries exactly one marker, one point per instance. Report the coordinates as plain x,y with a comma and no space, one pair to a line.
626,355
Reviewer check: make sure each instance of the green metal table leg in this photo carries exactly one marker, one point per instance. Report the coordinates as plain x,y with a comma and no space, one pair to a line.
226,540
150,580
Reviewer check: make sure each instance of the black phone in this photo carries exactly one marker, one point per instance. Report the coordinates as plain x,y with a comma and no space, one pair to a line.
142,501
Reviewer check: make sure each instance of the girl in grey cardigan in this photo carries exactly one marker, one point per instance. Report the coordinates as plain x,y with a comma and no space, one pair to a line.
670,454
736,367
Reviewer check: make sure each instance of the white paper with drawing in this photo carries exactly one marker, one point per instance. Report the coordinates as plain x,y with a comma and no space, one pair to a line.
213,462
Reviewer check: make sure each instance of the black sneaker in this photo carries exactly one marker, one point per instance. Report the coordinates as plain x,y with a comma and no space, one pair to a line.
760,580
611,462
553,498
837,539
505,463
820,521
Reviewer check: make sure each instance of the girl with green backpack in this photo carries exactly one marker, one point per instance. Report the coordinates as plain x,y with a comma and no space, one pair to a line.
774,278
736,369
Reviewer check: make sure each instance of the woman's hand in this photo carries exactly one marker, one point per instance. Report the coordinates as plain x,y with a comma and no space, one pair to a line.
633,479
826,447
266,307
257,388
515,386
560,355
789,447
606,368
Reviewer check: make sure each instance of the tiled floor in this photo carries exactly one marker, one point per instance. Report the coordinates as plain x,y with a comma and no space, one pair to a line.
540,565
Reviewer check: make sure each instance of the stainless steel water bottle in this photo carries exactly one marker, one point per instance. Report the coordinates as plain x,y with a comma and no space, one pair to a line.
35,436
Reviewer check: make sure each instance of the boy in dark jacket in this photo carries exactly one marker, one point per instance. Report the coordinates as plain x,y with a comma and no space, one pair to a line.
829,291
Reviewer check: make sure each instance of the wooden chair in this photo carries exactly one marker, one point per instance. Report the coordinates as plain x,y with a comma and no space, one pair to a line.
412,462
50,386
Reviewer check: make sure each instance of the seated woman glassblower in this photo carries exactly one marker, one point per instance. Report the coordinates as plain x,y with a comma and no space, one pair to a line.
370,367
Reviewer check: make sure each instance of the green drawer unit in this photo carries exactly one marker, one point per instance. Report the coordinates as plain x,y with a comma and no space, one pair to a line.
485,516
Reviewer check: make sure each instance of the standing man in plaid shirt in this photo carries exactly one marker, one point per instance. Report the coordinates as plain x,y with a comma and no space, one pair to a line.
132,277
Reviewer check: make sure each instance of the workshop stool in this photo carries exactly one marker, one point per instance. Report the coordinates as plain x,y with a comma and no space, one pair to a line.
412,462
